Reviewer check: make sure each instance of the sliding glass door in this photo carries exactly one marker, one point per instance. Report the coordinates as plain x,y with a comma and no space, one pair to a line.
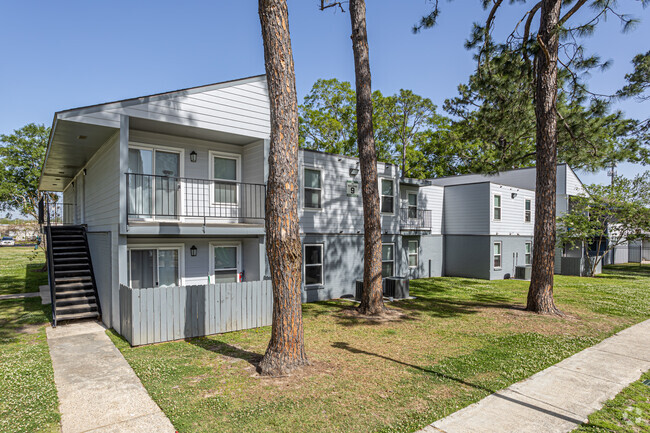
154,183
154,267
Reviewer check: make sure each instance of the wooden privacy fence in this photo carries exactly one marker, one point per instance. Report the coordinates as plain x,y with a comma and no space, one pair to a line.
171,313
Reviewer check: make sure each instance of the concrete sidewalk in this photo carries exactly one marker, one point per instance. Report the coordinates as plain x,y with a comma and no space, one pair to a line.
98,390
561,397
20,296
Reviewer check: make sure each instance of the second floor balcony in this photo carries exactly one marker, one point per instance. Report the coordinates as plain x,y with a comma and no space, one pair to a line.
413,218
168,198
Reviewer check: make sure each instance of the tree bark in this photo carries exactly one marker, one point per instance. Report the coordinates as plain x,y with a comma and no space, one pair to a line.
540,293
372,301
286,350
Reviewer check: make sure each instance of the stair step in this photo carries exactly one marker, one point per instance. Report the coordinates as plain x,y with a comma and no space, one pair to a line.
70,255
88,301
64,287
71,259
78,316
71,272
81,265
67,248
67,294
65,280
75,309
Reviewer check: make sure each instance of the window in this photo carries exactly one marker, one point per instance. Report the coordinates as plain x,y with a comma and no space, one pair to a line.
497,255
528,212
225,172
154,267
496,214
154,181
313,192
412,205
387,194
413,254
387,260
528,252
313,258
225,262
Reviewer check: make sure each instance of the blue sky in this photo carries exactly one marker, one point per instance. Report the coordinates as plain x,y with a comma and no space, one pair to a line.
59,55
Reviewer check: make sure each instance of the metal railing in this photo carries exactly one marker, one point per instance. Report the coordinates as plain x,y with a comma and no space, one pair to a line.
166,197
56,213
412,218
45,220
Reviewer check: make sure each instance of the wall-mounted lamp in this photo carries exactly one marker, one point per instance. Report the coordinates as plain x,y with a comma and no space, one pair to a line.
354,171
193,156
513,195
193,251
85,172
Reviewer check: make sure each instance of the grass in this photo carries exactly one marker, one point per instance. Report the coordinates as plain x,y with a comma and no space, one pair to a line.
459,341
28,397
628,412
20,270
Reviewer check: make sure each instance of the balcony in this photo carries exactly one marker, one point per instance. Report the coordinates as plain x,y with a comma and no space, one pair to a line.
415,219
155,198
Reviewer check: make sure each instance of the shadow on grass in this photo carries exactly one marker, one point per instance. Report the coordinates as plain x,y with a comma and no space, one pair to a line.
346,346
19,316
226,350
626,271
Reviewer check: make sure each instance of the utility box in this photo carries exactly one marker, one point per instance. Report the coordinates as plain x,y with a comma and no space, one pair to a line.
358,290
396,287
523,272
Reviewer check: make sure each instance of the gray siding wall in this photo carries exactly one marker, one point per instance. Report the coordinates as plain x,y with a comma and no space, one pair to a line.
467,256
101,254
512,254
197,268
339,212
343,264
102,187
467,209
430,257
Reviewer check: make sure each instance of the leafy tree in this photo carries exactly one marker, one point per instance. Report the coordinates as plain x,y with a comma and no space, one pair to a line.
550,53
286,350
606,217
638,82
328,123
21,159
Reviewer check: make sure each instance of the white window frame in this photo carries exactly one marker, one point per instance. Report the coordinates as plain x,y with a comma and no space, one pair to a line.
500,207
495,255
381,196
528,256
386,261
304,187
528,214
409,206
181,259
212,246
181,169
224,155
322,264
416,253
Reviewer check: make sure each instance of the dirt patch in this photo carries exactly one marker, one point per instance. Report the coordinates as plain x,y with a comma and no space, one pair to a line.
389,315
27,329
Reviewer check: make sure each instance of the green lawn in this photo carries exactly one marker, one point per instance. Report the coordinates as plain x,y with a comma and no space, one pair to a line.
20,270
628,412
460,340
28,398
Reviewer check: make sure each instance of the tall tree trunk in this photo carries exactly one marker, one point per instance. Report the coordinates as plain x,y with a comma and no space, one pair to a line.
372,301
540,293
286,350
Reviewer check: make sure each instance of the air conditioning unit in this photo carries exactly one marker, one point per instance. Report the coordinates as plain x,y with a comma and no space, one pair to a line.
396,287
523,272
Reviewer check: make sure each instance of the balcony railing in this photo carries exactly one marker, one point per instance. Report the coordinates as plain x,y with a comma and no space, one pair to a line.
412,218
155,197
57,213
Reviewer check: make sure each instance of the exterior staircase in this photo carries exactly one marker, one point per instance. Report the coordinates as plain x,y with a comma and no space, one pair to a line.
72,281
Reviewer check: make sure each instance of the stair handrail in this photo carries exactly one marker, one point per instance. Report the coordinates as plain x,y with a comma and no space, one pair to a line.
92,271
50,260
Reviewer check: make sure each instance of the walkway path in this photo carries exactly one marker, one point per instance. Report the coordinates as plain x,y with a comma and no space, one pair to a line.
20,296
98,390
561,397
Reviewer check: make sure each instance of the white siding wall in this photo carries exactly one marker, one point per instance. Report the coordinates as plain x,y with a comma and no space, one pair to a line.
432,197
573,184
512,211
467,209
240,108
339,212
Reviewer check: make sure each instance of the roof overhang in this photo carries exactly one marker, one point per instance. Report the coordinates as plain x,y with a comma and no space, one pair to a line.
71,145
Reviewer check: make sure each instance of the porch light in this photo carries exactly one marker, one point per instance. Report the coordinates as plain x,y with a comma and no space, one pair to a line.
193,156
354,171
193,251
513,195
